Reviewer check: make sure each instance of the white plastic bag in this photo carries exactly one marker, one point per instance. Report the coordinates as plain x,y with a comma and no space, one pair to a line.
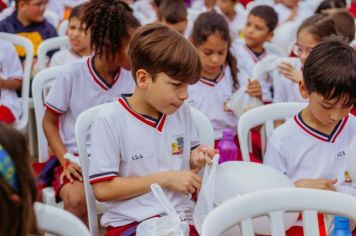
205,202
169,225
240,102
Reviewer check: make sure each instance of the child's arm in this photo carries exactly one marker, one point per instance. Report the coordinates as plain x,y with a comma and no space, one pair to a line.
13,84
122,188
324,184
50,128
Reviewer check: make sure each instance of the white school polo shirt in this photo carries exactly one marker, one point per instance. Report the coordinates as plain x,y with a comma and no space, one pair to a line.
10,68
247,60
237,24
125,143
300,151
79,87
210,97
64,56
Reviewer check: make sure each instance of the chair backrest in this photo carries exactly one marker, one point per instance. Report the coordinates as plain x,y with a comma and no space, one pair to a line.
264,115
272,203
58,221
40,82
204,127
49,45
22,123
84,121
62,29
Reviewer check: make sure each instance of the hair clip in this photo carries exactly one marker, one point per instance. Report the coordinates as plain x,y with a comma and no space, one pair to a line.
7,168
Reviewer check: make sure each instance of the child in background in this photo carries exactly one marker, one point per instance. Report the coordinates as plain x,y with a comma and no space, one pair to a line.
149,136
83,84
311,32
311,149
235,18
329,6
146,11
261,22
17,185
78,38
173,14
27,20
10,80
292,10
220,78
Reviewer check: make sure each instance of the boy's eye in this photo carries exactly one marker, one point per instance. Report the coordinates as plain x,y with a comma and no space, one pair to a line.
176,84
326,107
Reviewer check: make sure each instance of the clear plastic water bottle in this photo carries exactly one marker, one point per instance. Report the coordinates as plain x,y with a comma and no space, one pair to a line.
227,147
341,226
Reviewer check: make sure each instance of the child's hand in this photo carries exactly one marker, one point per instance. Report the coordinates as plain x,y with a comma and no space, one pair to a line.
254,89
324,184
185,181
72,172
290,73
201,156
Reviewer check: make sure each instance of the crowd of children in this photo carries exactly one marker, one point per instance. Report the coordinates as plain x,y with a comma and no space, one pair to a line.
153,59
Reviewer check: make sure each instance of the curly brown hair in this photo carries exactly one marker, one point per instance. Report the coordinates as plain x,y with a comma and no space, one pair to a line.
109,22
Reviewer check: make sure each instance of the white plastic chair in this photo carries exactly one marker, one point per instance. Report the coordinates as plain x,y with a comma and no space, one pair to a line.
84,121
264,115
39,85
22,123
49,45
62,28
273,202
51,17
58,221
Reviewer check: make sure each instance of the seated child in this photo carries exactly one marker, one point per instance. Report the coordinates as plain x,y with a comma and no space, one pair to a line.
10,80
173,14
149,136
310,33
17,185
85,83
312,147
27,20
292,10
235,17
79,40
261,22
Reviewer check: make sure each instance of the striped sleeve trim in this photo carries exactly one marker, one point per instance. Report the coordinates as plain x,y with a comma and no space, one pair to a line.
102,177
53,109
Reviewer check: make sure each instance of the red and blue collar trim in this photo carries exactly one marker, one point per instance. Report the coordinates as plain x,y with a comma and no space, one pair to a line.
97,78
319,135
253,55
214,82
158,123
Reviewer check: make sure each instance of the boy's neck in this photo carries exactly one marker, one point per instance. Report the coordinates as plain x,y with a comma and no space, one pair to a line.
24,21
107,72
310,120
256,49
231,16
138,103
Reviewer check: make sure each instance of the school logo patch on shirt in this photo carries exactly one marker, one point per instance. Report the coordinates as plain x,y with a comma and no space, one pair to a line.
178,146
347,177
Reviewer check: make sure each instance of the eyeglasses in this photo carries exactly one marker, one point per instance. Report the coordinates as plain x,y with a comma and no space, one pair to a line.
299,50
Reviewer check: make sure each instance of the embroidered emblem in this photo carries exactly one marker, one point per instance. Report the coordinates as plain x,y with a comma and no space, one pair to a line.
178,146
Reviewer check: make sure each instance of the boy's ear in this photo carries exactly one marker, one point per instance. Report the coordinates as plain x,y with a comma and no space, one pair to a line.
303,90
270,36
142,78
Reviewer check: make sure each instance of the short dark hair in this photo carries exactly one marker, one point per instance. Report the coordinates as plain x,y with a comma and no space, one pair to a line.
344,23
172,11
330,70
109,22
319,26
329,4
268,14
156,48
77,12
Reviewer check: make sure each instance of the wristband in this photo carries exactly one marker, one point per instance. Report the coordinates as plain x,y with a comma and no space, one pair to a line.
70,157
67,163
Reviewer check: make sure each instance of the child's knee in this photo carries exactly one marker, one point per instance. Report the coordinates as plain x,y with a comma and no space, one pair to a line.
73,197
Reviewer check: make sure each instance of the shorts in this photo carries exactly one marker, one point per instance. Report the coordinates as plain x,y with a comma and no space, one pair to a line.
6,116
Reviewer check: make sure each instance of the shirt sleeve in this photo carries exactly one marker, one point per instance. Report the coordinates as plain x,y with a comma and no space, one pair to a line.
59,96
104,161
